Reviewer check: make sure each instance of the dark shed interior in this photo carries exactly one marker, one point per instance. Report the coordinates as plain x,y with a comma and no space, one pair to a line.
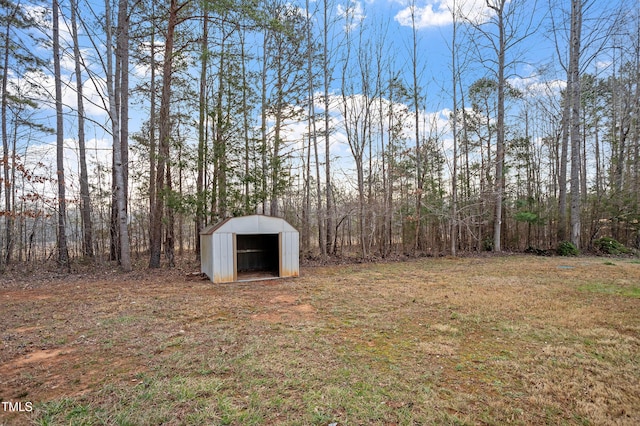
257,254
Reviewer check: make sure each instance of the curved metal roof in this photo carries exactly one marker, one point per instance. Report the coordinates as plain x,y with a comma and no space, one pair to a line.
254,224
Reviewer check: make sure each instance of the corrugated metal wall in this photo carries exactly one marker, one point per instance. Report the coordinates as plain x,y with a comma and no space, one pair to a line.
206,254
290,254
223,257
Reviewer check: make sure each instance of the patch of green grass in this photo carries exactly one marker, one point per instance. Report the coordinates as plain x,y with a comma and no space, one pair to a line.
604,288
154,400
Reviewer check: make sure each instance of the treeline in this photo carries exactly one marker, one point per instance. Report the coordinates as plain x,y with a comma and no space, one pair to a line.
317,112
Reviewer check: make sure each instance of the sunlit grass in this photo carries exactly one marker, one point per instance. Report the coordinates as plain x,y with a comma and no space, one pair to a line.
613,289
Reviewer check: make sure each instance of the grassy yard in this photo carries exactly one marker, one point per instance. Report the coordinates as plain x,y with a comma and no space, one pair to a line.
514,339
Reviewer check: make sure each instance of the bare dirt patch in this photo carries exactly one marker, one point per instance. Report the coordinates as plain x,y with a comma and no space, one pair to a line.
304,309
44,357
285,307
284,298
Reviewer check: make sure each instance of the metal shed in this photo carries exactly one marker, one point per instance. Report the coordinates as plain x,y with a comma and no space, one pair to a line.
249,248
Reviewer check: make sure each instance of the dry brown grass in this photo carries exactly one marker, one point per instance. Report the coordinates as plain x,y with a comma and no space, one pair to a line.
522,340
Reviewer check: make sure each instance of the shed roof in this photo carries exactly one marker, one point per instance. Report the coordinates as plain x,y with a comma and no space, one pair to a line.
254,224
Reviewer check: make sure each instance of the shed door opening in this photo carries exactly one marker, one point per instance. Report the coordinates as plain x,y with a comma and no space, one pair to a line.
257,256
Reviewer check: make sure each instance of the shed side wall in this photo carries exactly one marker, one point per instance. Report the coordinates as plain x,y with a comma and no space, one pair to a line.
290,254
222,257
206,256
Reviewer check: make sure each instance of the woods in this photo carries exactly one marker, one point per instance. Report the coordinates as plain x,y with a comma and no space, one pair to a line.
127,127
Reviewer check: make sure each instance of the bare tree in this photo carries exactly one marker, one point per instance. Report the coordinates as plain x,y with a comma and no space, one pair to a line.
313,138
115,114
164,139
574,89
357,98
63,251
415,98
6,183
453,234
202,126
164,135
512,23
582,52
326,240
153,145
85,199
499,8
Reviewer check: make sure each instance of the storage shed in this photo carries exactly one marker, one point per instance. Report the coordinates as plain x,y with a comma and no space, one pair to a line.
249,248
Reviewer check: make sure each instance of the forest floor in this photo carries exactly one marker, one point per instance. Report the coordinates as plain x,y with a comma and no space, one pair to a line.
495,340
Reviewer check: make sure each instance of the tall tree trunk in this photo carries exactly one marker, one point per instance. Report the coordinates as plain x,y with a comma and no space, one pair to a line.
327,243
313,140
220,143
164,137
63,252
416,109
263,122
85,200
116,118
201,197
636,128
152,133
574,64
122,56
7,184
322,243
390,167
305,158
499,183
277,127
383,246
454,172
245,125
564,155
169,240
180,195
467,171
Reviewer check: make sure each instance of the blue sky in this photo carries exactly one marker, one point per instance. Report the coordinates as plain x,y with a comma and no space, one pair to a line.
433,22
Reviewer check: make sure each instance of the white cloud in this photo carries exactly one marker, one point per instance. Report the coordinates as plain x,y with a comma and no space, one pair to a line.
534,86
352,13
437,13
40,15
93,104
425,16
603,66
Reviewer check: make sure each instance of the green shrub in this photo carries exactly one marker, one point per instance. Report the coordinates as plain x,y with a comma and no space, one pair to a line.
608,245
567,248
